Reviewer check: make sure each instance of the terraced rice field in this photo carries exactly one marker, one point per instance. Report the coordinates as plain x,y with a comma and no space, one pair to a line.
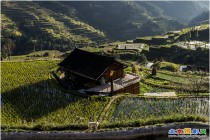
30,100
131,109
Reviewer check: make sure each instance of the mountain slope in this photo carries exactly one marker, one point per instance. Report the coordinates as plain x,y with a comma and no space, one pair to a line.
63,25
202,18
46,27
183,11
123,20
127,19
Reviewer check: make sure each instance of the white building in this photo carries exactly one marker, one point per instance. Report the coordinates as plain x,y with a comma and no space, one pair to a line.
148,65
182,68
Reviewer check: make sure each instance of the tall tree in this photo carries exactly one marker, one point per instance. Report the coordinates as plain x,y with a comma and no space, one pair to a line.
8,48
196,34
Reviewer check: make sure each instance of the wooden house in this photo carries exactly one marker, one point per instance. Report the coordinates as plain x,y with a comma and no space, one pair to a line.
92,72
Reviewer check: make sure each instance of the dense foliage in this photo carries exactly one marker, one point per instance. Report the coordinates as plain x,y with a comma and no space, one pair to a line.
166,66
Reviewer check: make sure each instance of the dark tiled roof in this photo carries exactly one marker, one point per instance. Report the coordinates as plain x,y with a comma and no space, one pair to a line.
87,64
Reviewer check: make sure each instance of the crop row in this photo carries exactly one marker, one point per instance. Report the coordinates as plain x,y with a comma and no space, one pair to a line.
131,109
29,99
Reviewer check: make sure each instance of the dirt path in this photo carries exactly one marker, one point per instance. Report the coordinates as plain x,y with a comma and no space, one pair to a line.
161,94
103,114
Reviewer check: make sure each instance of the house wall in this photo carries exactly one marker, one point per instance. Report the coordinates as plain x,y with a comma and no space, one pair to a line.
133,89
118,71
83,82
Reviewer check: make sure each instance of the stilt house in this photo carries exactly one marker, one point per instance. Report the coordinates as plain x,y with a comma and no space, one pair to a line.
96,74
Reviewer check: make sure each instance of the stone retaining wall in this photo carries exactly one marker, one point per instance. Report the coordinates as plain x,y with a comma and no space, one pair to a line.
118,134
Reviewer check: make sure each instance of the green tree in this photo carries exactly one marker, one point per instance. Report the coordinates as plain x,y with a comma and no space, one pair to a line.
184,39
8,48
34,44
196,83
189,36
196,34
135,69
142,59
116,55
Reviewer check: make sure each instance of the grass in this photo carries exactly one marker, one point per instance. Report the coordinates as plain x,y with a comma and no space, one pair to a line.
161,83
51,53
159,37
145,110
166,66
38,55
173,78
158,83
106,49
185,30
92,49
174,118
204,26
145,38
117,43
9,26
30,101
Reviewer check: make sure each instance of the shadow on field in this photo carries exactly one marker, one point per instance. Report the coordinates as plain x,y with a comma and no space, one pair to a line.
36,100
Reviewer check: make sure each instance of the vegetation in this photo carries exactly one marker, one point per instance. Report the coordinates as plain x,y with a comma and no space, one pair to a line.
29,100
44,29
174,118
166,66
64,25
132,111
203,17
32,99
183,83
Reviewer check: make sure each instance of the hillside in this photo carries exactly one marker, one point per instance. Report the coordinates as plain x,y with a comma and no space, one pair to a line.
134,18
64,25
200,19
41,28
183,11
125,20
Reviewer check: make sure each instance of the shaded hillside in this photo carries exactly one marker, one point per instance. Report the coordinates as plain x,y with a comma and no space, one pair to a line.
125,20
42,28
136,18
200,19
35,26
198,57
183,11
